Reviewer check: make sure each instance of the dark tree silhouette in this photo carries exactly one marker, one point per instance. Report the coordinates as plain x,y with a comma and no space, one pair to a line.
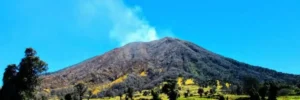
170,89
250,83
80,89
251,86
22,80
238,90
254,95
155,95
129,93
10,73
200,92
28,76
273,91
68,97
8,91
212,91
263,91
187,93
221,98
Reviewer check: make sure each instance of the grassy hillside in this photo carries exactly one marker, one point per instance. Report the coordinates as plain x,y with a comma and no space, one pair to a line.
189,84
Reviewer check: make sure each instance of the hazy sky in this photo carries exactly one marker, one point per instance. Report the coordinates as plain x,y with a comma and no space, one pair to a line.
65,32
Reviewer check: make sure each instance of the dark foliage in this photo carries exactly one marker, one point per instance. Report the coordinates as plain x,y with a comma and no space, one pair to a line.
20,82
263,91
28,76
200,92
206,93
68,97
273,91
250,84
8,90
212,91
146,93
129,93
238,90
110,94
254,95
187,93
155,95
221,98
80,89
170,89
10,73
285,92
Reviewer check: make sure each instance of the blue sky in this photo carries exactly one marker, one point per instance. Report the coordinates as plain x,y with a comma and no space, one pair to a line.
65,32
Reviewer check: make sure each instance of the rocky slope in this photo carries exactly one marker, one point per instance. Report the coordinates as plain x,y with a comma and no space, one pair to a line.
160,59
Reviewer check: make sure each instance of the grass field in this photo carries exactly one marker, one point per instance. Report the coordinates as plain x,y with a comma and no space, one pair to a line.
193,89
233,97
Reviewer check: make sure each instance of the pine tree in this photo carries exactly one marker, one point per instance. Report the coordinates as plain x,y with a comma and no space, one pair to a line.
27,78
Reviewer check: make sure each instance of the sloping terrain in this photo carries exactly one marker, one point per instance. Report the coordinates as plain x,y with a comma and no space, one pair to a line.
146,64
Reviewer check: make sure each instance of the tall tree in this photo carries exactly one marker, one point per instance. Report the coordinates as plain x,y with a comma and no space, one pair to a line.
273,91
263,91
30,68
8,91
10,73
80,89
171,89
251,85
129,93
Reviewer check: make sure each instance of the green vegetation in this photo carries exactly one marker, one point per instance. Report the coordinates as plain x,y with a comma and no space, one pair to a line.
80,89
20,82
170,89
194,92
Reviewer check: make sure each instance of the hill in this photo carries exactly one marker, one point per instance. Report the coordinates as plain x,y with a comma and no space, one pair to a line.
144,65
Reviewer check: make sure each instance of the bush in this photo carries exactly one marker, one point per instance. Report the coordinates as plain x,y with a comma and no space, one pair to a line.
146,93
200,91
221,98
68,96
186,95
155,95
285,91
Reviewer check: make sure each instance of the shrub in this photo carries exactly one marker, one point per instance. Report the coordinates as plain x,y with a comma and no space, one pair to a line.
285,91
200,91
155,95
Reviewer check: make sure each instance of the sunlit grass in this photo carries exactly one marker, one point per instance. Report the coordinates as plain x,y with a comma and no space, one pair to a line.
193,91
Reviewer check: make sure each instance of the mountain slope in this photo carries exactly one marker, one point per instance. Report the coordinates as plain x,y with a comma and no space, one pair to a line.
160,59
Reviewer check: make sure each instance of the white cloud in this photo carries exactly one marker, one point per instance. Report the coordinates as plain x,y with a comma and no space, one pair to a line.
126,23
